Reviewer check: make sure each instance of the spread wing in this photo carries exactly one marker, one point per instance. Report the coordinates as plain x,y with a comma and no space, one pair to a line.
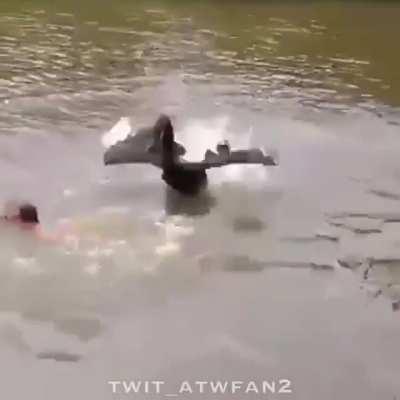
137,149
250,156
142,148
214,160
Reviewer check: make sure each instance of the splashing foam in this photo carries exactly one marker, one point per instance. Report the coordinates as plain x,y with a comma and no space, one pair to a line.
174,230
118,132
200,135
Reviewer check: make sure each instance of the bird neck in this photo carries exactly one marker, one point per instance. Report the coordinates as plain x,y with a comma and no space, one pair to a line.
168,158
168,153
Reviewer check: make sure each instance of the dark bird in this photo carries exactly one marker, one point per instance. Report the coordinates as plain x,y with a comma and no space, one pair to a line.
156,145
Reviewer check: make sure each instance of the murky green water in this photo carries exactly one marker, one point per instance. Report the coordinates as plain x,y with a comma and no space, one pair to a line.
312,53
288,272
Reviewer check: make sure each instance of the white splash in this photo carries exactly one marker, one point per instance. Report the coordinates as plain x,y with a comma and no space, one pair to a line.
168,249
173,230
118,132
200,135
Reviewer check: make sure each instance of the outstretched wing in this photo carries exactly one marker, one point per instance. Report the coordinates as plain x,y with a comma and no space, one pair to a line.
142,148
137,149
250,156
214,160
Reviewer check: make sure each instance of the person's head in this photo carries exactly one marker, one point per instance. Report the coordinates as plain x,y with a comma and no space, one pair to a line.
28,214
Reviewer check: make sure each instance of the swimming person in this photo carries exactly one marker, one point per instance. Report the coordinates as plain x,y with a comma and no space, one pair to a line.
25,215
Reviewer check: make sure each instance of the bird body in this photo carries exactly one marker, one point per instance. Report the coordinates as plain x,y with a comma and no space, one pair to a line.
186,181
175,174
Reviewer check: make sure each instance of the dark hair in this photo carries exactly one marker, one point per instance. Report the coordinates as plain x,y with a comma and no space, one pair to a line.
28,213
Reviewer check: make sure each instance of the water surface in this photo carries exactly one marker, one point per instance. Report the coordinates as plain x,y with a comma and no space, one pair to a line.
287,272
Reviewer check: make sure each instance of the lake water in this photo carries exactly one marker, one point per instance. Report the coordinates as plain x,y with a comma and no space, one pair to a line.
288,272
